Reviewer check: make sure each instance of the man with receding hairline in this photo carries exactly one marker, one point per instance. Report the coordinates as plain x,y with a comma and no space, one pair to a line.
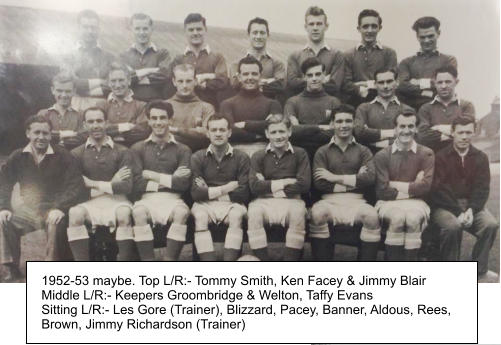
316,25
149,63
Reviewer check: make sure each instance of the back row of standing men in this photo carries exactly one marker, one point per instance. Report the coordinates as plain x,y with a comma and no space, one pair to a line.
280,173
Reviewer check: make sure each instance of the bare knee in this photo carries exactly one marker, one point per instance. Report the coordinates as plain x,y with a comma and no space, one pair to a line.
235,217
180,214
140,215
319,214
396,219
122,215
413,222
77,216
201,219
369,217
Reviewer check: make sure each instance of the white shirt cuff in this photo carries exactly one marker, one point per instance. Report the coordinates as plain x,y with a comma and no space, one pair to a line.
386,133
166,180
144,81
277,185
279,194
66,134
350,180
123,127
371,84
152,186
95,193
402,187
424,83
215,192
225,197
105,187
401,195
338,188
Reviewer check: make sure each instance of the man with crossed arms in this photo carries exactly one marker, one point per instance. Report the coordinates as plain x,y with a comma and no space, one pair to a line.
342,170
279,175
220,189
165,176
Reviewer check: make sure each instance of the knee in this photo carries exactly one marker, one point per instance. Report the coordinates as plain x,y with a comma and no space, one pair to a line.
181,213
255,214
235,217
319,214
140,215
123,216
369,217
297,213
201,217
396,220
76,216
413,222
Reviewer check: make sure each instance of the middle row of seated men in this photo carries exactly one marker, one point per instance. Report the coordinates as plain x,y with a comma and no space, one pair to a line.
223,178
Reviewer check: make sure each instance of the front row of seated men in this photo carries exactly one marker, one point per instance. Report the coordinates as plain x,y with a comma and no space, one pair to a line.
93,184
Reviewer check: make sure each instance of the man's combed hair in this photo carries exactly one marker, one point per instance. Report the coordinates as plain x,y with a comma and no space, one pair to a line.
63,77
446,69
369,13
36,119
274,119
119,66
315,11
258,20
342,108
406,112
250,60
183,67
194,18
87,14
218,116
141,16
311,62
463,120
159,104
95,109
425,23
384,70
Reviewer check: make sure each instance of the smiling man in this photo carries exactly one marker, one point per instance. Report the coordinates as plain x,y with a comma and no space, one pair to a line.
107,169
50,184
404,173
279,175
342,170
150,63
126,121
272,80
315,24
366,58
415,72
66,122
249,109
460,192
220,189
165,176
374,120
210,67
437,116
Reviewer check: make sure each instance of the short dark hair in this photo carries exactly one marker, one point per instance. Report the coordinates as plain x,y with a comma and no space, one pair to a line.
406,112
94,109
446,69
141,16
250,60
315,11
369,13
311,62
36,119
425,23
463,120
384,70
258,20
159,104
218,116
342,108
273,119
194,18
63,77
87,14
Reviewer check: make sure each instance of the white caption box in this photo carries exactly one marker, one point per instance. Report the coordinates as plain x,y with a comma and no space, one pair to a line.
251,302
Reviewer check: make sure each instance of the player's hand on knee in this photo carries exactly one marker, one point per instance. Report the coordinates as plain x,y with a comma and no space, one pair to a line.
55,216
5,216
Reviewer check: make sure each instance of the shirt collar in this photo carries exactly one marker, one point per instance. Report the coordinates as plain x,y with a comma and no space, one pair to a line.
334,141
107,142
435,99
462,155
308,47
229,151
151,46
70,108
189,50
128,98
29,149
265,53
394,147
420,53
289,148
380,100
172,139
378,45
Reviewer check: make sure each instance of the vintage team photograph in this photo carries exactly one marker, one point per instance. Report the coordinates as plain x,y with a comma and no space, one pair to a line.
249,131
